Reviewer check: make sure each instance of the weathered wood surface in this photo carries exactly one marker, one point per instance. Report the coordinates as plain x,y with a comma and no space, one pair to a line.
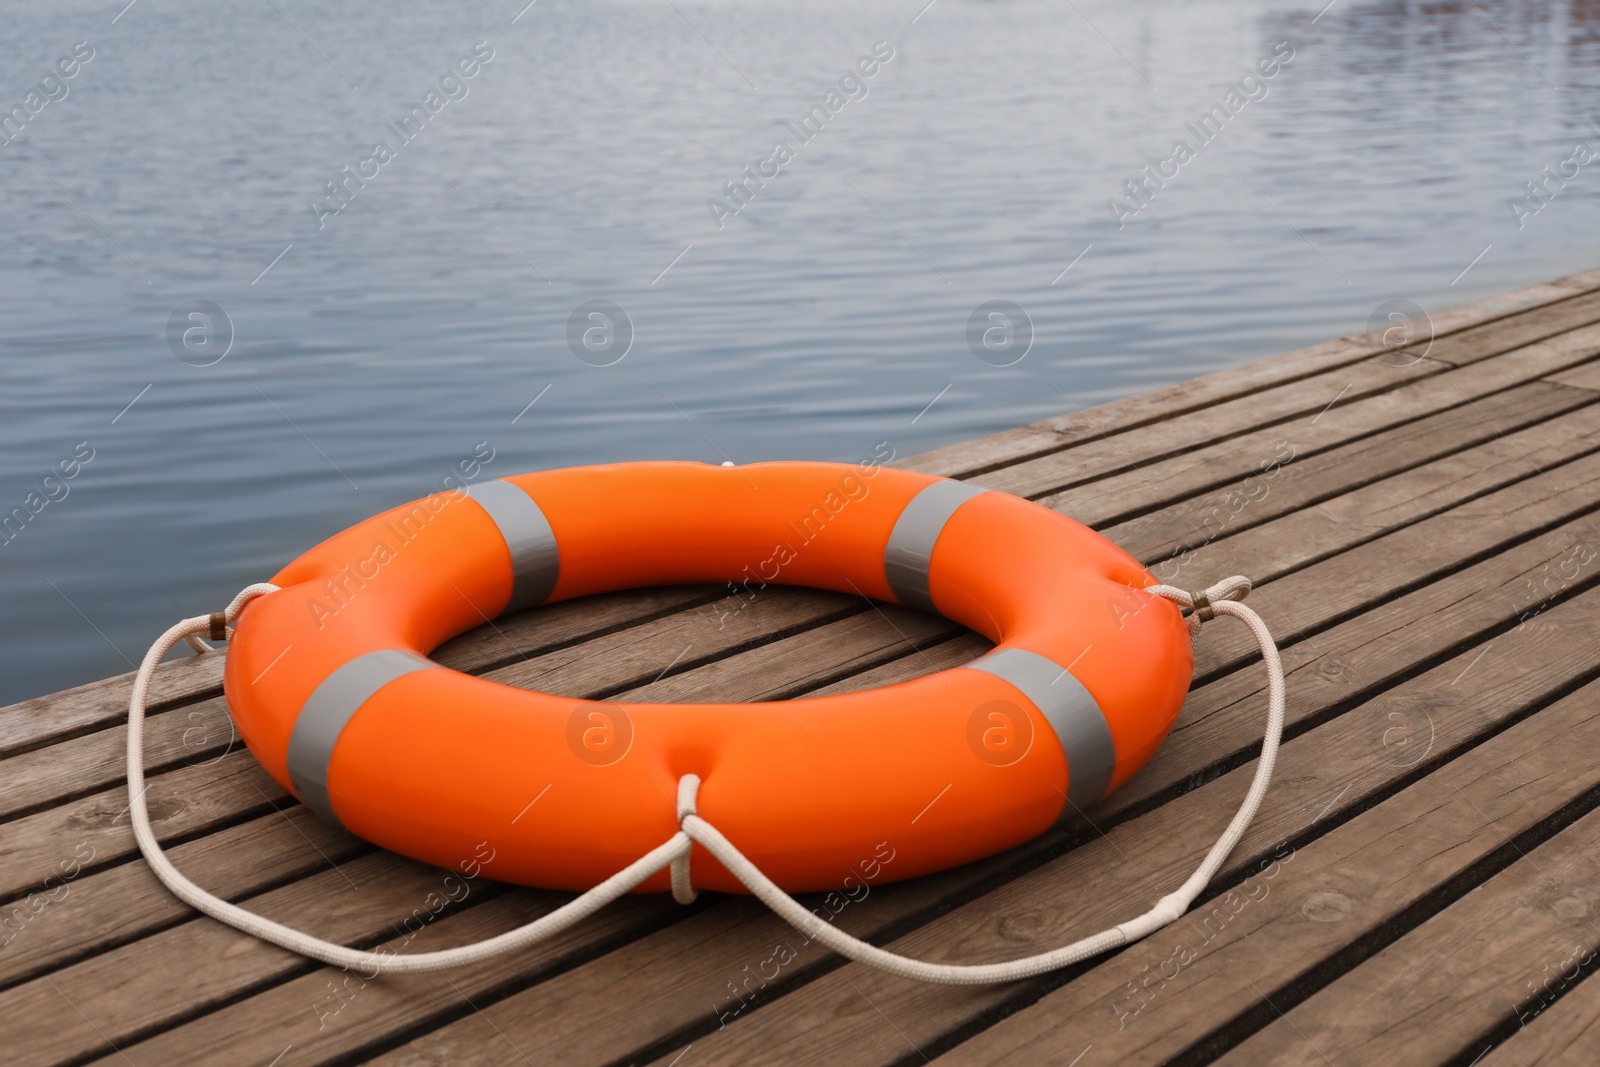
1419,887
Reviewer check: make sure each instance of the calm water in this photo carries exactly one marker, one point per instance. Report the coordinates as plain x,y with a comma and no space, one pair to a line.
386,341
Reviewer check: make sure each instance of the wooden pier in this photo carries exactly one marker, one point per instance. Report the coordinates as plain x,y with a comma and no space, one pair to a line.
1421,886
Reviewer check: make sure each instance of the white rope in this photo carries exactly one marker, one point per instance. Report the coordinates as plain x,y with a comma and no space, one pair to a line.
1220,599
683,890
674,848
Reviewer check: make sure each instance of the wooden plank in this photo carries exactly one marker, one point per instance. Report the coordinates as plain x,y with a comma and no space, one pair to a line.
57,773
1514,331
1366,653
807,660
77,914
215,983
189,799
990,453
1585,377
95,1005
1349,893
1181,458
968,458
266,1023
1207,466
722,688
680,983
1565,1033
182,803
1580,282
1262,495
480,648
963,648
46,719
627,659
545,629
1325,773
1528,481
1478,966
1402,650
871,629
76,767
1111,454
330,1013
262,1026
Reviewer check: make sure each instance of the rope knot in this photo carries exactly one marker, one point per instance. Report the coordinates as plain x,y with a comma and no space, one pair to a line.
683,890
1200,606
688,794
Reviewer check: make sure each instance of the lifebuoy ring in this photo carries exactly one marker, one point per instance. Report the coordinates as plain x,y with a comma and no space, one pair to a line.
330,686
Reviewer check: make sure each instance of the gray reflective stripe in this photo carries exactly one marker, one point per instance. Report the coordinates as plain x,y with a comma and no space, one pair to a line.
324,715
1071,710
910,547
535,560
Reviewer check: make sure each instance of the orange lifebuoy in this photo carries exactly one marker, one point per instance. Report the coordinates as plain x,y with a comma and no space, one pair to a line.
331,689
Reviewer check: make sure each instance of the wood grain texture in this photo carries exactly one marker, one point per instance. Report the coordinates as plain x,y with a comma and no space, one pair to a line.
1586,376
1109,454
1308,480
92,1007
1014,445
1351,551
871,631
1514,331
1350,891
1324,775
1488,959
1211,465
1558,1025
184,802
1008,447
1064,468
329,1012
669,963
1369,652
57,716
76,914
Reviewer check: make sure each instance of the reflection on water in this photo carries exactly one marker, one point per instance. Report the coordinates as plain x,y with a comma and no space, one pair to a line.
383,311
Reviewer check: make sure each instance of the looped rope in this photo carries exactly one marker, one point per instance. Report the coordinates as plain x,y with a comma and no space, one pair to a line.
688,792
1202,606
674,853
217,630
